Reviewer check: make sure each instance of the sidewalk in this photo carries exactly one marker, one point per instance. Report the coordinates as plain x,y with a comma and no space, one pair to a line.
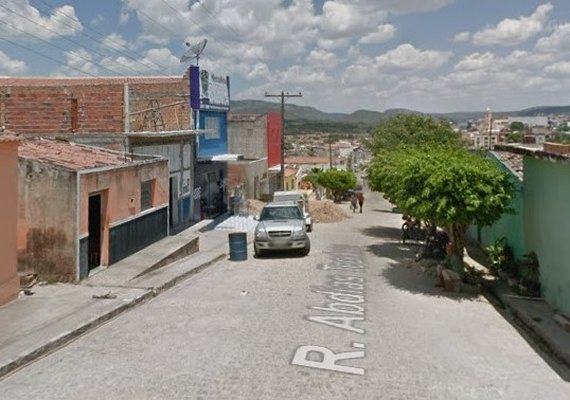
534,314
35,325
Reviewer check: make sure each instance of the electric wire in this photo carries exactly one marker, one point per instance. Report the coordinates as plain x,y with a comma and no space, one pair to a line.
46,56
159,67
77,54
68,39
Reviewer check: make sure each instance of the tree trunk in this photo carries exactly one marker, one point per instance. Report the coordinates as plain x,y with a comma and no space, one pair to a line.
457,237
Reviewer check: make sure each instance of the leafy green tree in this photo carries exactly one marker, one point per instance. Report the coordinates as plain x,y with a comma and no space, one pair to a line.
337,181
515,137
445,185
411,129
516,126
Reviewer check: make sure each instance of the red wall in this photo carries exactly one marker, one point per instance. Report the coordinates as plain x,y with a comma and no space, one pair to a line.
273,139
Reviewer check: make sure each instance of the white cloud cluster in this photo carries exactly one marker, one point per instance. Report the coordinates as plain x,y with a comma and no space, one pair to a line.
22,20
511,31
11,66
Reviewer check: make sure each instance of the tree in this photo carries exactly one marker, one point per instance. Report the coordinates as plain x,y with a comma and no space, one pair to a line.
337,181
411,129
516,126
515,137
445,185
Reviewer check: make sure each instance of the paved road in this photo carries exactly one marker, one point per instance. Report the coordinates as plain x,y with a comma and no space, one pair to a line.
350,321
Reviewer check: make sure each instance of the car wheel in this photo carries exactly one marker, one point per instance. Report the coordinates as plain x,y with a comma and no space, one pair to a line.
257,252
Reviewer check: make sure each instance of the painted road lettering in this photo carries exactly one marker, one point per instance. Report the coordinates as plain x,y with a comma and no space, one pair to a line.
344,308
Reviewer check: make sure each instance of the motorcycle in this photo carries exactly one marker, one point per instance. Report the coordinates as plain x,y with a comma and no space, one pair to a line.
434,245
412,229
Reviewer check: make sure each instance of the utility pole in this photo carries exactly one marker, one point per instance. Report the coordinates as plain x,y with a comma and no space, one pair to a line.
283,96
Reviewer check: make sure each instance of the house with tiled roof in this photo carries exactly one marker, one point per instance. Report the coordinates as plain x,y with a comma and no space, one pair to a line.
82,207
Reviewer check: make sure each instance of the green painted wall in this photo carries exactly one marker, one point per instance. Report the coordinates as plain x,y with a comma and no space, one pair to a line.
547,226
509,226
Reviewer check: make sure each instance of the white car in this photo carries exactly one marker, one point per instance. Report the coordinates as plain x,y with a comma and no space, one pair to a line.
301,202
281,227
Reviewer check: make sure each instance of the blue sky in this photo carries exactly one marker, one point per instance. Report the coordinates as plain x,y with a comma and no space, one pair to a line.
343,55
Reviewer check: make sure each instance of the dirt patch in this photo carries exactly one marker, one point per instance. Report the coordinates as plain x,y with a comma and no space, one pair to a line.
255,206
325,211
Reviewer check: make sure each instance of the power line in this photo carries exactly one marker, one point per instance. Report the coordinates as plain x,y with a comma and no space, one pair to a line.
68,39
159,67
227,27
283,96
57,47
45,56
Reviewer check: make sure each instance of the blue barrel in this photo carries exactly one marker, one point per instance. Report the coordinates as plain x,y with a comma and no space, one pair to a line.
238,246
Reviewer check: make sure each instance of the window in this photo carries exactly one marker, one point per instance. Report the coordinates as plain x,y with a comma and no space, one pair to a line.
212,126
146,194
250,132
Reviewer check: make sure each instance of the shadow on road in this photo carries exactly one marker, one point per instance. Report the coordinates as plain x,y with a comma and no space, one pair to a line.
406,274
383,232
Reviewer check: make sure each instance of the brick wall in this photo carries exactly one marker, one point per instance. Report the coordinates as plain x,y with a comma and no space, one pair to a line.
54,106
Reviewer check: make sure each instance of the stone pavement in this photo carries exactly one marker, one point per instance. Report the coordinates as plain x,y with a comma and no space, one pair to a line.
35,325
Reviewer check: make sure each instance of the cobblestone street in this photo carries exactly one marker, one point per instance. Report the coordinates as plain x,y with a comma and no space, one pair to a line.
352,320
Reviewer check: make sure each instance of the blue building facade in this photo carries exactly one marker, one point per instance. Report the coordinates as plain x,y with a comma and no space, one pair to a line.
210,103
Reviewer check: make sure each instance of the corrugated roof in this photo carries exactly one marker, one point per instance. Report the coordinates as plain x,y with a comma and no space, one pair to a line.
6,137
69,155
308,160
76,81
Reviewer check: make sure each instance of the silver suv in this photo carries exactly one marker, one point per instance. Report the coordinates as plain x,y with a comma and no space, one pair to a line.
281,227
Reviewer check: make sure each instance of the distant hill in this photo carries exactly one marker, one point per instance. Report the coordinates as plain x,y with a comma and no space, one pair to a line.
313,118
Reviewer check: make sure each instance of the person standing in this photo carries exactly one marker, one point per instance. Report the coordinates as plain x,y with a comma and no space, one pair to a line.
353,202
360,197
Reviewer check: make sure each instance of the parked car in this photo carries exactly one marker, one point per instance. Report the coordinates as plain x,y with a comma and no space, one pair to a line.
281,227
301,202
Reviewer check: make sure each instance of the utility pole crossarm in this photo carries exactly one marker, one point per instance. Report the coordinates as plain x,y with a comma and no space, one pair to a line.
283,96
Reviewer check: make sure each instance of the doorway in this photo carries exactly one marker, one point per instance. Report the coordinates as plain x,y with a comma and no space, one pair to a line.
94,245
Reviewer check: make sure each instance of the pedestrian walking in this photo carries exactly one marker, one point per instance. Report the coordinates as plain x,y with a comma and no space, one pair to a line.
360,197
353,202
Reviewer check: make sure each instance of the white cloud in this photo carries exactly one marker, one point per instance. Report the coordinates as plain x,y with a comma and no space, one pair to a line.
462,37
25,20
408,6
156,59
559,40
79,62
97,20
11,66
259,71
476,61
407,58
114,41
381,35
341,18
511,32
319,58
560,69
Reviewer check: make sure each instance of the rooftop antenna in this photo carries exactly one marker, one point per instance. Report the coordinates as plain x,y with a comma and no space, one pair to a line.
194,51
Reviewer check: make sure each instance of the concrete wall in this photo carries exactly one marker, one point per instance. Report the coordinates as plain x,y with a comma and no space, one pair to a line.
248,138
251,176
9,281
180,154
121,196
547,226
47,225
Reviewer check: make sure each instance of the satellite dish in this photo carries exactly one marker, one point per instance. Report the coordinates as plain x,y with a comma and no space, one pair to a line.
194,51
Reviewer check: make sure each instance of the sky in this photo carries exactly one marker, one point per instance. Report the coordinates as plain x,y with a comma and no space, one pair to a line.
342,55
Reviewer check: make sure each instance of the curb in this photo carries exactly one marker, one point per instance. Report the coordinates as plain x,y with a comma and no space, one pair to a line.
67,337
